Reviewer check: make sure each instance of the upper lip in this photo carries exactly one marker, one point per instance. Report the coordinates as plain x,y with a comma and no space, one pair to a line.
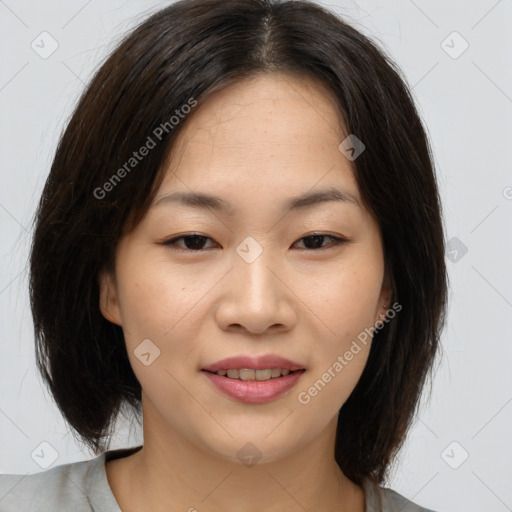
256,363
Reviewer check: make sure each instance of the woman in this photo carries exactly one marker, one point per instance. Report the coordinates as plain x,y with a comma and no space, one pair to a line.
180,266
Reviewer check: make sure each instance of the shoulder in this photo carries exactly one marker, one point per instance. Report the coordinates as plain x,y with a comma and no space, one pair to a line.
383,499
401,503
65,487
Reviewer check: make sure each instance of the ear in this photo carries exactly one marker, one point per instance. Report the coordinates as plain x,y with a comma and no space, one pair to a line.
109,304
386,296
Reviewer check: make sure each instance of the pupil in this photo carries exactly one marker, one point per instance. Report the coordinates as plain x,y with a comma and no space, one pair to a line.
197,241
315,238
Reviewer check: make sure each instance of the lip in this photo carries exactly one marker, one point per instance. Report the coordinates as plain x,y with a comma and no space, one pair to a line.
254,391
256,363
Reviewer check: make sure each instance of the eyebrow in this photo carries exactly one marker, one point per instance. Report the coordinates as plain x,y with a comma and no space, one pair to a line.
206,201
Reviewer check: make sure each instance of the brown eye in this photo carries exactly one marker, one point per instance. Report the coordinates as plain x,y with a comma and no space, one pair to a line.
192,242
314,241
195,242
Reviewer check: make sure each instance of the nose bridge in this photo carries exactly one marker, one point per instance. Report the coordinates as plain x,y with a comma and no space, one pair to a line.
253,267
257,299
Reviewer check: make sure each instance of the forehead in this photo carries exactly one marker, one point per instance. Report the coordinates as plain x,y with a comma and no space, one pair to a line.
267,108
273,133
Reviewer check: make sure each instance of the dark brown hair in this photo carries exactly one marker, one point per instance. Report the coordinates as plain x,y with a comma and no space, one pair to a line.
188,50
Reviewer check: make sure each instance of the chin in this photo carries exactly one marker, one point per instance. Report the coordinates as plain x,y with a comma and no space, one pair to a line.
249,446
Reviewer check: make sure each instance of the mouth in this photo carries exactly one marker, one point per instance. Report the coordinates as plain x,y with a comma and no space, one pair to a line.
250,374
254,379
251,386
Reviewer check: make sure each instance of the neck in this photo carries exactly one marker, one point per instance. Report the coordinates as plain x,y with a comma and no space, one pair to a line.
171,472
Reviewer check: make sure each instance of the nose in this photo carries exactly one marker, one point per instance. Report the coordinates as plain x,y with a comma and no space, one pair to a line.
258,296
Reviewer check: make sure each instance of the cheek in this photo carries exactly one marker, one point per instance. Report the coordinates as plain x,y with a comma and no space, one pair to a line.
338,360
162,303
156,306
345,305
156,296
345,299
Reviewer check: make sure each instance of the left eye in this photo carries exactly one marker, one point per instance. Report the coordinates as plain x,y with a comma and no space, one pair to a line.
316,240
195,242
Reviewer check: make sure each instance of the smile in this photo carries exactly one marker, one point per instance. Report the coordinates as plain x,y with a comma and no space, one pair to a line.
251,374
254,386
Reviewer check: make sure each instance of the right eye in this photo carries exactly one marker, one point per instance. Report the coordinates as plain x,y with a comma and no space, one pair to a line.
192,242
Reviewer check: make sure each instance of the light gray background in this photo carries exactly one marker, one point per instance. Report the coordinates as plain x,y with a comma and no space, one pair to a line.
466,103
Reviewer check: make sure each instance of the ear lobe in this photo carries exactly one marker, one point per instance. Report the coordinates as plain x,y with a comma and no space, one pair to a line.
108,301
386,296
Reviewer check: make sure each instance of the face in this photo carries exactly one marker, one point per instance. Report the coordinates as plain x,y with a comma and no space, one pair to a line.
250,274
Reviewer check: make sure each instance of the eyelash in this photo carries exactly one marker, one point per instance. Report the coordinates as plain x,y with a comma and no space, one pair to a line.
172,242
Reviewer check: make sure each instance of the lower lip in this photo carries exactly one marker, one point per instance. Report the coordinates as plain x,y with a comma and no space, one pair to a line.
254,391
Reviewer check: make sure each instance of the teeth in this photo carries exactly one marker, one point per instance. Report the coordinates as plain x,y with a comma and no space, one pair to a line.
246,374
250,374
233,374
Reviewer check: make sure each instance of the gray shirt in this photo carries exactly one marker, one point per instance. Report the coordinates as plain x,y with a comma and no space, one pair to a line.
83,487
